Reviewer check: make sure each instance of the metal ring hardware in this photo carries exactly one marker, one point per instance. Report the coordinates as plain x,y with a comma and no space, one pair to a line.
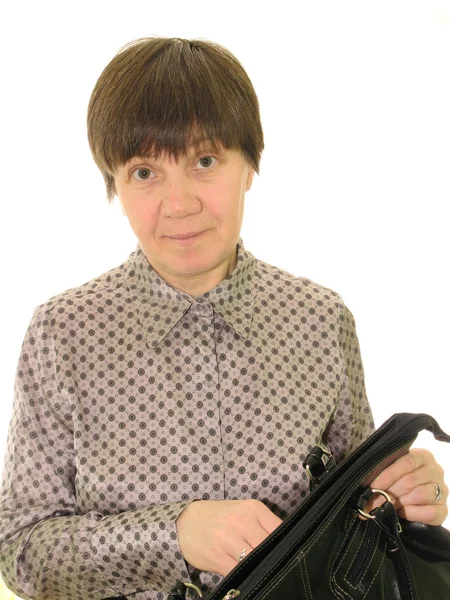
374,491
193,587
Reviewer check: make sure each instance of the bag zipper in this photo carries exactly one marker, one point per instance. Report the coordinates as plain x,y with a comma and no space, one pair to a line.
363,559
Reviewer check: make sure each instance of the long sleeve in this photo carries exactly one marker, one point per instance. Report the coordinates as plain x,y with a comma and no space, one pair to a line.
47,550
352,421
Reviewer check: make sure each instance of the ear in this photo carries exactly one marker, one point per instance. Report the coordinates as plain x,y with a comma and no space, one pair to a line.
251,172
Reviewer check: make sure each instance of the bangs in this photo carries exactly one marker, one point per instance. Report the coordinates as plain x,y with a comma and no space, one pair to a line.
157,143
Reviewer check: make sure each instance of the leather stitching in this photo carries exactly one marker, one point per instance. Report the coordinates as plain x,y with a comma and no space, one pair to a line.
335,568
363,540
375,575
369,563
405,563
373,554
305,579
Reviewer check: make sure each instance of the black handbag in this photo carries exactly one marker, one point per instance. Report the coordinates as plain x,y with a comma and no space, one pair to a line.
326,551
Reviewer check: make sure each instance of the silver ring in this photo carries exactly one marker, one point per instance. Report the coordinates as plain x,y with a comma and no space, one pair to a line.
438,493
243,554
374,491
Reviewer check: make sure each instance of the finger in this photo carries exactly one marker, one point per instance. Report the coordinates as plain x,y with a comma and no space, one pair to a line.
266,518
415,506
431,514
423,495
258,525
426,474
236,549
260,531
232,545
413,488
227,564
222,554
413,460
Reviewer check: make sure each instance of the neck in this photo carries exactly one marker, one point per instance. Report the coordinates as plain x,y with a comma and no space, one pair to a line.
202,283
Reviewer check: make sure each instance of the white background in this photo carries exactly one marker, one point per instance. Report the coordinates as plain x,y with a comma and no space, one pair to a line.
354,185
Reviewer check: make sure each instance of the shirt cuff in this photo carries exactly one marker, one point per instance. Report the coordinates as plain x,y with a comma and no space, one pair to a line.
139,550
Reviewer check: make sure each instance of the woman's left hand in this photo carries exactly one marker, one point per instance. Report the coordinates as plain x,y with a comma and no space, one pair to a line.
411,484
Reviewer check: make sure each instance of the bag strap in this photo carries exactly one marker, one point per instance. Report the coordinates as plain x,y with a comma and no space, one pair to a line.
385,517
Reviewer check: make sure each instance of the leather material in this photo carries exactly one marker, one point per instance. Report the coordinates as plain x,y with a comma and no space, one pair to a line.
427,541
178,592
325,551
318,464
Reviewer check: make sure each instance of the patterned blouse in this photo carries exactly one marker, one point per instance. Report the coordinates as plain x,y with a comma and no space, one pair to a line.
133,399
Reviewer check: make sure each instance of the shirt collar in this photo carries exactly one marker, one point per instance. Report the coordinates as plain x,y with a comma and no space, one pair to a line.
160,306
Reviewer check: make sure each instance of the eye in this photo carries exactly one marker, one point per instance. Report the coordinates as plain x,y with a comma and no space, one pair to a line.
142,174
205,161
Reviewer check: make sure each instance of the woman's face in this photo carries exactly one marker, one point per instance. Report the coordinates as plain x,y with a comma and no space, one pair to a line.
202,194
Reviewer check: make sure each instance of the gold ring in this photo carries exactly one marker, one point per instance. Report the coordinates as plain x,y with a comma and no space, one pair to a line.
243,554
374,491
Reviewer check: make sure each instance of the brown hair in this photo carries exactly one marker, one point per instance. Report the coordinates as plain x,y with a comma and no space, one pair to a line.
157,93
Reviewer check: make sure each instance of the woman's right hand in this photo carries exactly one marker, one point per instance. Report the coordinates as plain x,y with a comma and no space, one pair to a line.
213,533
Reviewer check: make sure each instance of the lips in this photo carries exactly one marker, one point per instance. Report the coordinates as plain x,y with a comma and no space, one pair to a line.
185,236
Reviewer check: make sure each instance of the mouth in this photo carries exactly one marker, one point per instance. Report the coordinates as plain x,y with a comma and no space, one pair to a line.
185,236
186,239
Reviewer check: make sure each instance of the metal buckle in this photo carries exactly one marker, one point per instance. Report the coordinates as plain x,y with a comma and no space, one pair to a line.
193,587
325,458
374,491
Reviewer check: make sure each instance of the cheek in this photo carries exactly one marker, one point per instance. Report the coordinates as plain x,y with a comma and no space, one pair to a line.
226,199
141,214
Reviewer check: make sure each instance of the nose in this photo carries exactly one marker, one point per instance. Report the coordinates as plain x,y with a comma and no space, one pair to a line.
179,198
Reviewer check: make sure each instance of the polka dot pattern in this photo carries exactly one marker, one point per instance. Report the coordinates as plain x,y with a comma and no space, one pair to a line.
133,399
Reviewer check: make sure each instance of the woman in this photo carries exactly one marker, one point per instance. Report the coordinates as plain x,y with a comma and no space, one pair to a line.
163,409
